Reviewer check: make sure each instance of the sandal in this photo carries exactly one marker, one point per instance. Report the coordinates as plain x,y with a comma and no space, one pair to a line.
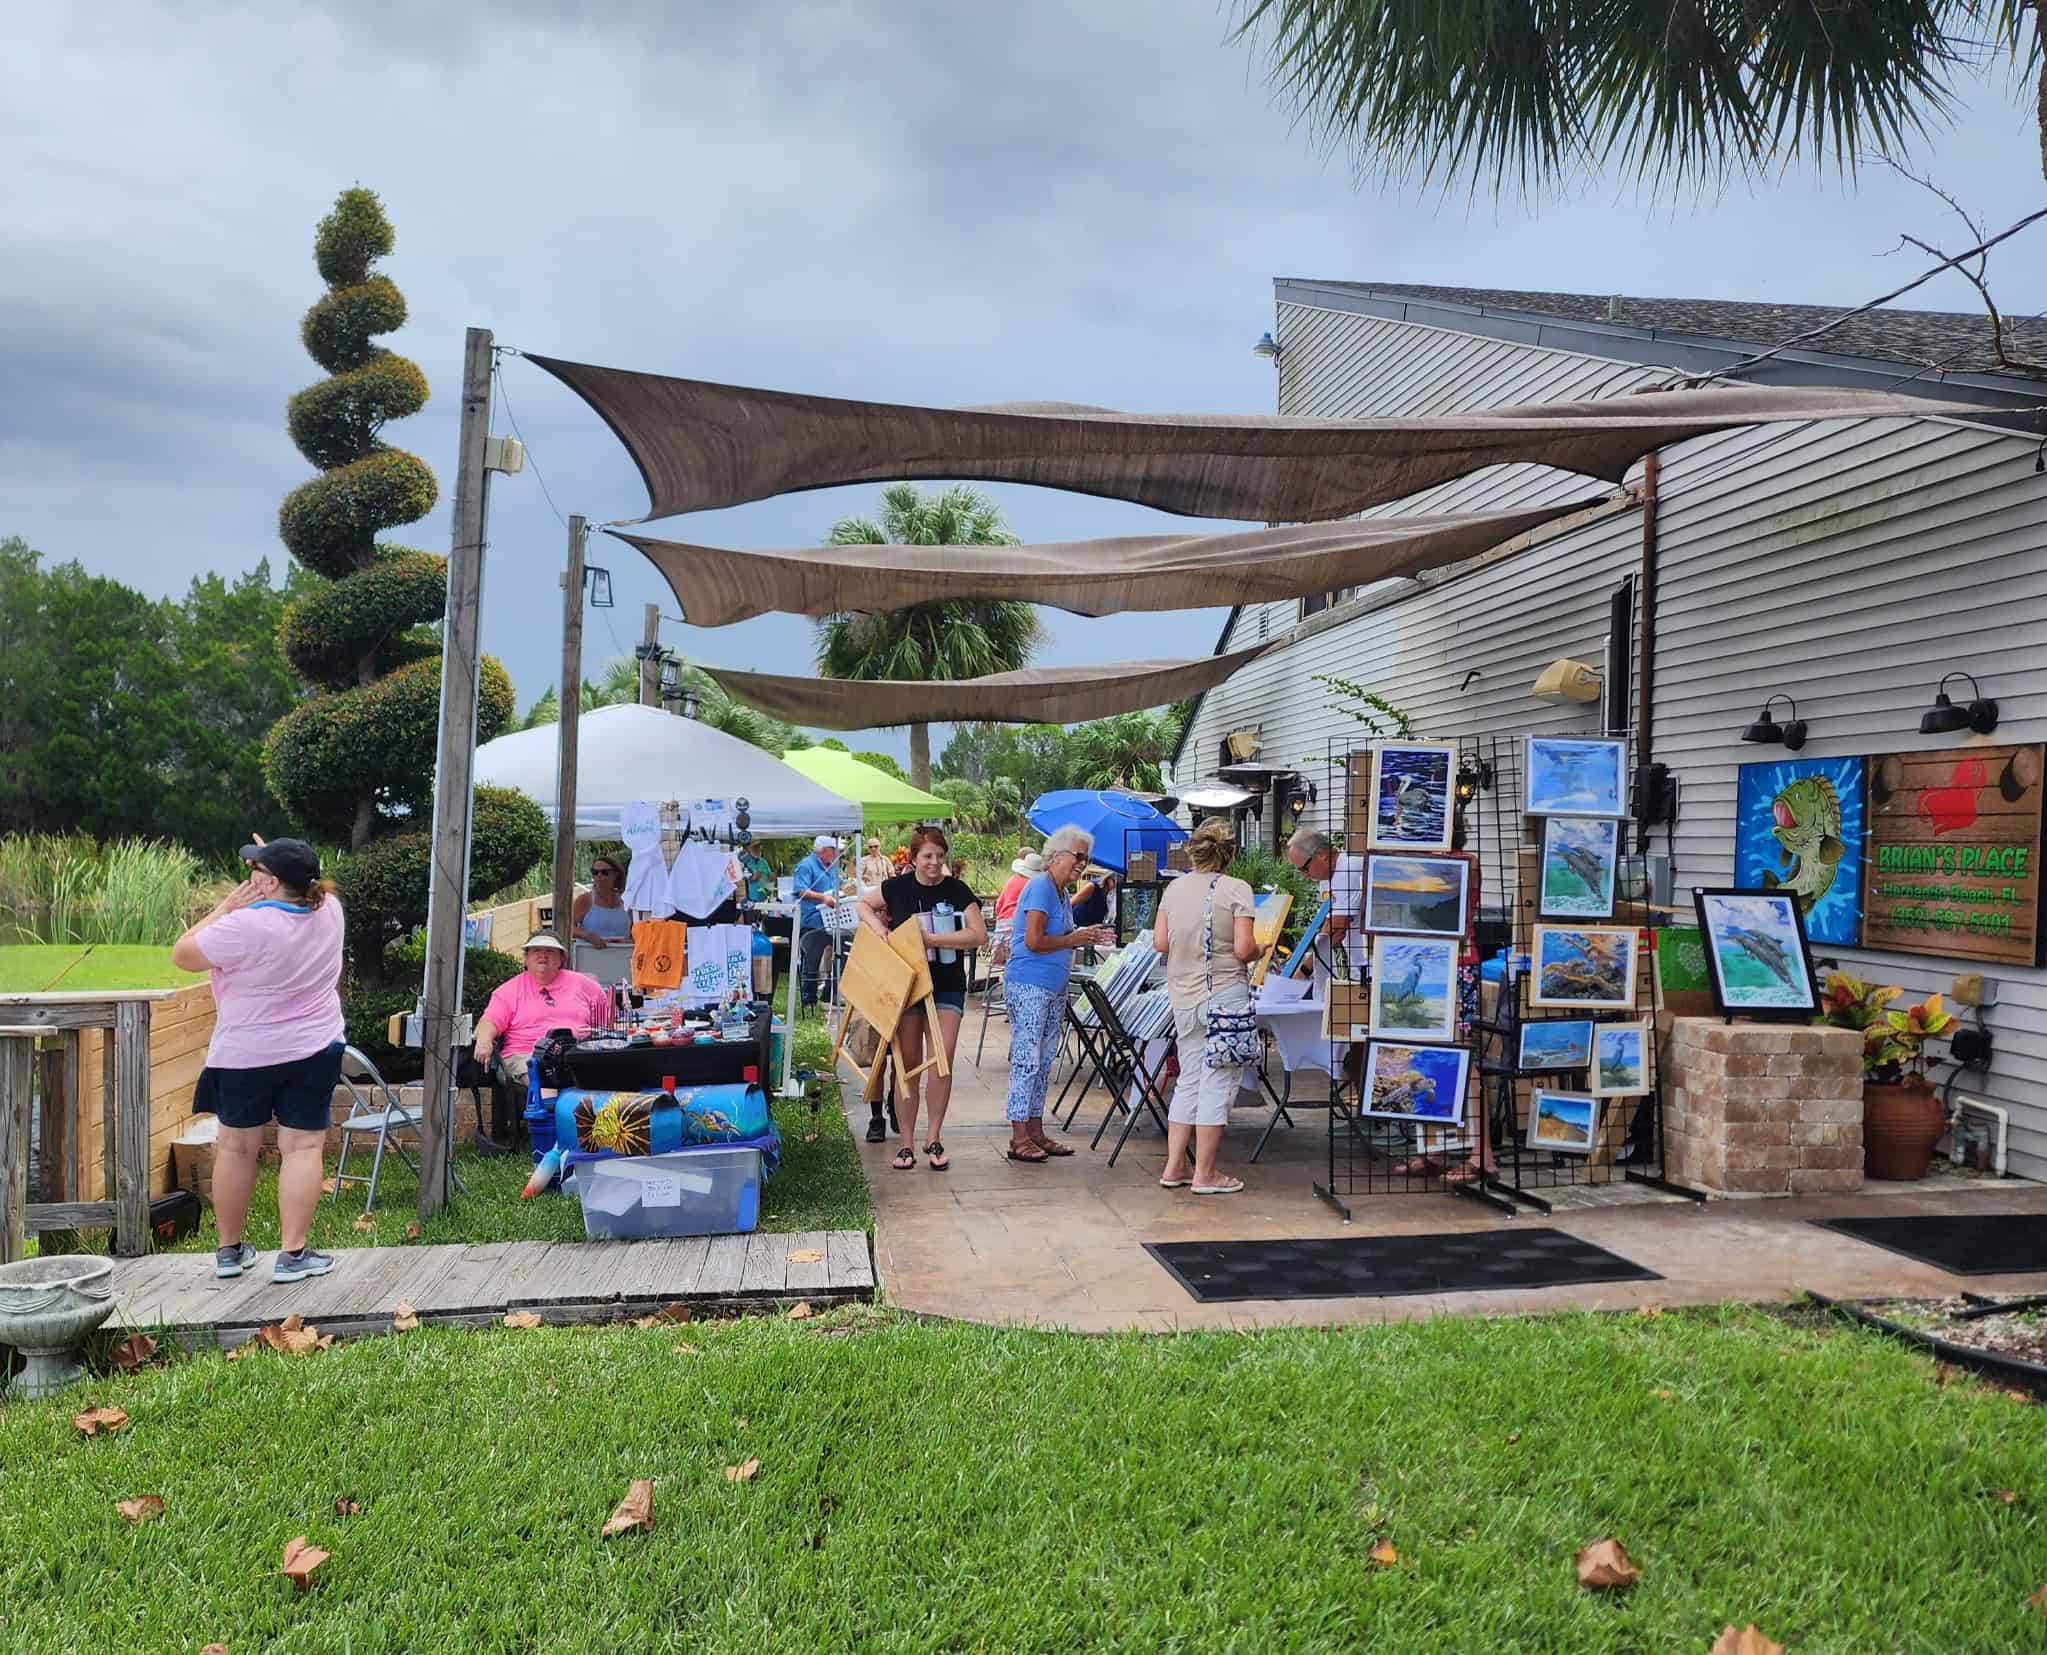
905,1159
1470,1173
1051,1148
1016,1153
939,1159
1229,1186
1174,1183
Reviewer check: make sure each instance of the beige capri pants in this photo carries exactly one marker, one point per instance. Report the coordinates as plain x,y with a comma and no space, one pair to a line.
1201,1096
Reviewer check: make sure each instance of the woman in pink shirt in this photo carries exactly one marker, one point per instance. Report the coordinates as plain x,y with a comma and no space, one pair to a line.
272,947
546,995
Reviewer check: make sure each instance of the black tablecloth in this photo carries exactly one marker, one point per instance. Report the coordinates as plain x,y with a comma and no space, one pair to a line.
704,1063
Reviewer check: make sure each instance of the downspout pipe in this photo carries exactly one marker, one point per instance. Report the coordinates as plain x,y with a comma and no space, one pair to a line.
1645,670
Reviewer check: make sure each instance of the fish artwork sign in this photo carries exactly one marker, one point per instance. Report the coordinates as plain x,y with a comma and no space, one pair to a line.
1799,826
1952,863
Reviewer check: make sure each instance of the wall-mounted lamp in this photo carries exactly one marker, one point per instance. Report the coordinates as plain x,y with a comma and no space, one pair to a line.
600,587
1298,798
1267,347
1944,717
1473,778
1769,733
1567,680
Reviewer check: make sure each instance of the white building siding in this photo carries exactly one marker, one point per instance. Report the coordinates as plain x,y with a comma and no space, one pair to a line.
1847,564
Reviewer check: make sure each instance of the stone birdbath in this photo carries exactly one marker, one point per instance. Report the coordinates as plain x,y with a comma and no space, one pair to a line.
47,1305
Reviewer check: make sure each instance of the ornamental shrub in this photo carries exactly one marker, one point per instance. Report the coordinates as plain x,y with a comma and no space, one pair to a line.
354,761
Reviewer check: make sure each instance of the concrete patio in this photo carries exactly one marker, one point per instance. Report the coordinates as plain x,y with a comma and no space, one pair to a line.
1062,1244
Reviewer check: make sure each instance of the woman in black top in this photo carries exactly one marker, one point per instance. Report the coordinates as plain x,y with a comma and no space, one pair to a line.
1091,901
945,907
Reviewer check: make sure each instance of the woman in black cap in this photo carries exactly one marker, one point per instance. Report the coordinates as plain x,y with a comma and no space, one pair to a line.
272,946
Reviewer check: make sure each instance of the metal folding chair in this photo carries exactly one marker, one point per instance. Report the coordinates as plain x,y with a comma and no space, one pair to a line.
991,985
1121,1065
367,1117
1083,1023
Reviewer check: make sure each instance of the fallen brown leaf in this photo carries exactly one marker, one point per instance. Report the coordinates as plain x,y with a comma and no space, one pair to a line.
742,1473
326,1186
412,1232
2039,1600
2005,1496
142,1508
404,1319
1942,1373
1663,1395
293,1337
1513,1437
687,1350
801,1311
132,1352
301,1558
1604,1566
347,1508
95,1420
1748,1641
810,1137
213,1649
365,1222
522,1318
807,1255
740,1422
1649,1312
2025,1398
1384,1554
237,1353
635,1511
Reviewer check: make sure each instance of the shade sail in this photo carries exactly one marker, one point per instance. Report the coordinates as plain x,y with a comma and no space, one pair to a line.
882,799
625,753
717,586
1037,695
701,445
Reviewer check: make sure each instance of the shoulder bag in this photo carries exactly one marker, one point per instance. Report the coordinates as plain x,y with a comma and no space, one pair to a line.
1230,1032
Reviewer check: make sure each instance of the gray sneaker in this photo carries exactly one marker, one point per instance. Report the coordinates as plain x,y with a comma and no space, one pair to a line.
229,1262
289,1267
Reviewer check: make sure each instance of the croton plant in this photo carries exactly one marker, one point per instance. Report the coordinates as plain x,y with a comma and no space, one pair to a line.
1893,1042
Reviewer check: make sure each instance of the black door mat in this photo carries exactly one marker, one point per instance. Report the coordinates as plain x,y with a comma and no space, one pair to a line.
1372,1267
1975,1244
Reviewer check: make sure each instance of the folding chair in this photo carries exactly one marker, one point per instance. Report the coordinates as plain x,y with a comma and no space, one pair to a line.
1083,1022
365,1117
1121,1064
991,986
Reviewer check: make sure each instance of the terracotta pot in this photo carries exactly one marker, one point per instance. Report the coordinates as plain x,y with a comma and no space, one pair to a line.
1900,1124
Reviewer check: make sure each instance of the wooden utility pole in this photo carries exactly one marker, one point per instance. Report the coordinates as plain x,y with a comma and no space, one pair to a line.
650,657
454,773
565,747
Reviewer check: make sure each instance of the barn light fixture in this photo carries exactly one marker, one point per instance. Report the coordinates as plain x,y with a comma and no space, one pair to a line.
1769,733
1267,347
1945,718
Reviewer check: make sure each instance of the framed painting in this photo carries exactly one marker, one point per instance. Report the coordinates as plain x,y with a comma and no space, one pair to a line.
1304,950
1428,896
1620,1060
1583,968
1416,1083
1757,955
1563,1121
1411,795
1574,776
1580,856
1413,993
1549,1044
1799,827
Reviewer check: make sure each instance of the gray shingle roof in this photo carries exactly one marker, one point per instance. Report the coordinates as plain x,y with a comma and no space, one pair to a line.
1957,341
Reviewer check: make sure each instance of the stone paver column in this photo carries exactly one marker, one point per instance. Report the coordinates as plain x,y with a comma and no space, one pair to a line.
1762,1109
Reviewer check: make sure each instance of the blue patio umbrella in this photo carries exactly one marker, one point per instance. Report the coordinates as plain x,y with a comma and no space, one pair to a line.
1122,826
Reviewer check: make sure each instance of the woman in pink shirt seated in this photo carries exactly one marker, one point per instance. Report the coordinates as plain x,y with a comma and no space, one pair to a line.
273,948
546,995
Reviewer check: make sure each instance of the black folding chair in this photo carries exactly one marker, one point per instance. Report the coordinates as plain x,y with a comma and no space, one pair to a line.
1122,1067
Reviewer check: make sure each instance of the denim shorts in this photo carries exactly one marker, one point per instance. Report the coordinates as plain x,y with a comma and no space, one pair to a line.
949,999
298,1094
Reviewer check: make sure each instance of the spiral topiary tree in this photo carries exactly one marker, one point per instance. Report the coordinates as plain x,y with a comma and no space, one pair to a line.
354,762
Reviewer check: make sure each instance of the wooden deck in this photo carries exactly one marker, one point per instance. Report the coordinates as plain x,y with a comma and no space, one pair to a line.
565,1281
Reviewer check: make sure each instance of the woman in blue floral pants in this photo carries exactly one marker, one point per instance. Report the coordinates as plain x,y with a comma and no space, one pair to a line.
1034,989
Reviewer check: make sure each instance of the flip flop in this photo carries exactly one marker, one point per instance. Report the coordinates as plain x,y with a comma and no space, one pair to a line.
939,1159
1174,1183
904,1159
1229,1186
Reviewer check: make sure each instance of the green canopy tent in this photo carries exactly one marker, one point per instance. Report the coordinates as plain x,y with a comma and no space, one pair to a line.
883,801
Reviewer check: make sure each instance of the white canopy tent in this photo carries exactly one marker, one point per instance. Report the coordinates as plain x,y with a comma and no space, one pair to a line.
630,752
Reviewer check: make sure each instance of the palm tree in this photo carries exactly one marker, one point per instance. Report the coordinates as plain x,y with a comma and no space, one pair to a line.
1125,750
938,641
1534,89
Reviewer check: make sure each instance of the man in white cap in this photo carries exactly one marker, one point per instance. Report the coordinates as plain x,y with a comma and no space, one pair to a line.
546,995
816,888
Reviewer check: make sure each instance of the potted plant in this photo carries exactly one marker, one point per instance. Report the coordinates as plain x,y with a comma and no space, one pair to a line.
1901,1117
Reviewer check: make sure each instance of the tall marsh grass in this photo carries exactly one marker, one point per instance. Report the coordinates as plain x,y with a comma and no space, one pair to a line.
71,888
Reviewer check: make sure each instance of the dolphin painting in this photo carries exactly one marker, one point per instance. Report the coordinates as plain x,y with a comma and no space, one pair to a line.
1765,950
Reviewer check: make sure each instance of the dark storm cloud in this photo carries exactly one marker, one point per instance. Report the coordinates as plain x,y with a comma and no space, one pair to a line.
935,201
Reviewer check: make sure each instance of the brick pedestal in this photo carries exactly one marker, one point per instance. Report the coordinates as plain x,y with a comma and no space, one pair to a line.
1762,1109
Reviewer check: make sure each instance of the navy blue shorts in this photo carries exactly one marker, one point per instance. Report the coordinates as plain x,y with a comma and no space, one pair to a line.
949,999
298,1094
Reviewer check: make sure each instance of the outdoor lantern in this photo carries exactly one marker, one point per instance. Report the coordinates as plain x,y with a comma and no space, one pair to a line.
1944,717
1267,347
1473,778
1769,733
600,587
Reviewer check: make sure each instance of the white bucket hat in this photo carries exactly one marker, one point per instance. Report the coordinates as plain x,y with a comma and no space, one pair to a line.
543,939
1030,865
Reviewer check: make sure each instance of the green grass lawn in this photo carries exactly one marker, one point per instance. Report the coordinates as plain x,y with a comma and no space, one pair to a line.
932,1486
35,968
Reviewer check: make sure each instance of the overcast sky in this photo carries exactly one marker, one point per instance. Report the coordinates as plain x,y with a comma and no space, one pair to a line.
924,202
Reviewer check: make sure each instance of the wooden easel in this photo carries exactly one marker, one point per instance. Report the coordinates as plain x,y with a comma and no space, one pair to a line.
881,980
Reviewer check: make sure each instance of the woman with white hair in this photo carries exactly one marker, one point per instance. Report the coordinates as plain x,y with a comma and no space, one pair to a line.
1034,988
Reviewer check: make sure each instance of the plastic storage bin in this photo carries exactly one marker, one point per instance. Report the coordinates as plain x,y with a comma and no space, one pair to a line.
709,1190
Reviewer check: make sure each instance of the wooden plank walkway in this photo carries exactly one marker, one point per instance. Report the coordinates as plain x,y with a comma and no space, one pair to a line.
565,1281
